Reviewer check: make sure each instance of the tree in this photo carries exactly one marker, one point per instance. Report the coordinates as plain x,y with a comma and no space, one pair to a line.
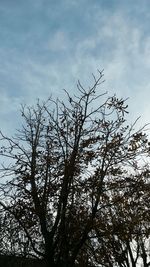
122,228
60,165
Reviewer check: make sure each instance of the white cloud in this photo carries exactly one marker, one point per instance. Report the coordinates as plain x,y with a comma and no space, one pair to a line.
58,42
9,113
115,44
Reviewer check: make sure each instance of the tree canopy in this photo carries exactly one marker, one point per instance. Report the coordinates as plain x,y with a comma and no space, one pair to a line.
76,187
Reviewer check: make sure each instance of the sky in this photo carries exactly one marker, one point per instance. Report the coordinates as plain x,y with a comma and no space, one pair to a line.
47,45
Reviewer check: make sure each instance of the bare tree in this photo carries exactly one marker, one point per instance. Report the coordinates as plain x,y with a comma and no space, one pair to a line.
59,165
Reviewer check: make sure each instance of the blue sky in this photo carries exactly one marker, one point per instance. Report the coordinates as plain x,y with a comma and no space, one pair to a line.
46,45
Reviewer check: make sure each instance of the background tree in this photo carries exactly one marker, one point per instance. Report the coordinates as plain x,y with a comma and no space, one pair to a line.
61,164
122,230
13,240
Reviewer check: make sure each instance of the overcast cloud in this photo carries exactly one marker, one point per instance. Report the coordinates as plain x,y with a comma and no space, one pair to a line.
46,45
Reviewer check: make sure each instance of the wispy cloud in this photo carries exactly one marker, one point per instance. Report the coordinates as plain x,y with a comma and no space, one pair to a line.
58,42
47,47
